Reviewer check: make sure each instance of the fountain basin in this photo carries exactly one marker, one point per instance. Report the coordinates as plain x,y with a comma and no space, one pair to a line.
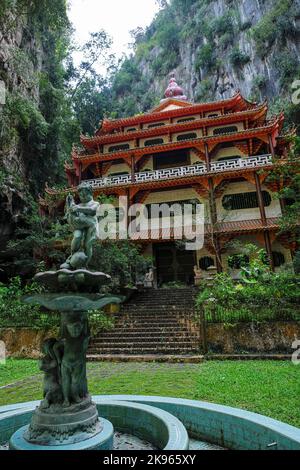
159,427
228,427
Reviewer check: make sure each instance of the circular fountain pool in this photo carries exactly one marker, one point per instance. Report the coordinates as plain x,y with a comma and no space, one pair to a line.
173,424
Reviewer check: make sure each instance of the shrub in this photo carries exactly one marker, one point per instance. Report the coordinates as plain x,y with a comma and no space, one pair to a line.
99,321
238,58
259,81
246,25
222,25
15,313
168,36
277,23
204,90
266,296
287,65
206,57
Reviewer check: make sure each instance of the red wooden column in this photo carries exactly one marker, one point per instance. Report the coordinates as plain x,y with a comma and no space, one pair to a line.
272,150
80,173
207,157
267,239
213,218
132,169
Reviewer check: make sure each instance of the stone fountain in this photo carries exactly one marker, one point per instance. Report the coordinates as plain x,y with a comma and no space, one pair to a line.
67,416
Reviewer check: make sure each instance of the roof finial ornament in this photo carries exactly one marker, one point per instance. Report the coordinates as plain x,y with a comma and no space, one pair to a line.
174,90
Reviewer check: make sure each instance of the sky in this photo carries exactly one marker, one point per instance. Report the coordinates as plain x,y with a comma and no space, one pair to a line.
116,17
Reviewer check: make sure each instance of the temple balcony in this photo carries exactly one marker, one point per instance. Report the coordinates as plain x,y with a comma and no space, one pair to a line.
182,172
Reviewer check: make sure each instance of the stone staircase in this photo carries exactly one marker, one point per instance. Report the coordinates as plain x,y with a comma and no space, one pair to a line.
155,325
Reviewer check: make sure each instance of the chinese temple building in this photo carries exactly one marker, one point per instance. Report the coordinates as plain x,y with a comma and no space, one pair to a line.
219,153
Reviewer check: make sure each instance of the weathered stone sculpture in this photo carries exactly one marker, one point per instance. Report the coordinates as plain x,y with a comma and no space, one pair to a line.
49,364
67,414
74,341
82,218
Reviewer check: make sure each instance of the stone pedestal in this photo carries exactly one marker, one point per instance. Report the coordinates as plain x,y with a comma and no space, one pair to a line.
103,440
59,425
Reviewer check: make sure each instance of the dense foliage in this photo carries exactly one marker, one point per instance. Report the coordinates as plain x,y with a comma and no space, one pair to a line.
15,313
260,295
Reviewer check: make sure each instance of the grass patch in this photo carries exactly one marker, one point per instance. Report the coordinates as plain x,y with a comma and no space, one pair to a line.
267,387
17,369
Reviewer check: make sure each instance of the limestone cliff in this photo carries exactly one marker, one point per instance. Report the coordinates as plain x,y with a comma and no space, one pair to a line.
216,47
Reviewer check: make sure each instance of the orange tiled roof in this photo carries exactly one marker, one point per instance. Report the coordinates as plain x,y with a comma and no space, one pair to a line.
237,100
256,113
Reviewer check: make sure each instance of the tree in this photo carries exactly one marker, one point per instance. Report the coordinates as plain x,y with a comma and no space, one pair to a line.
288,178
91,103
162,3
94,50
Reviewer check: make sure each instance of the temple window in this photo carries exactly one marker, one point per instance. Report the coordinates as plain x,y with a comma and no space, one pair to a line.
225,130
121,173
206,262
278,259
191,135
148,143
157,124
239,201
116,148
212,115
231,157
176,159
186,120
178,206
132,129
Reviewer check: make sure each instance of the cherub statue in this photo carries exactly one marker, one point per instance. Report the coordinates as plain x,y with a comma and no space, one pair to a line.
82,218
74,342
49,364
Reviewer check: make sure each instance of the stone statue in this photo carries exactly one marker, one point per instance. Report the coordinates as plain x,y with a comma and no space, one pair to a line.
82,219
198,275
149,278
49,364
74,342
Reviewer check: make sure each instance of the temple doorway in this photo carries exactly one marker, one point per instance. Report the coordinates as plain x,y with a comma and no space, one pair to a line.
173,264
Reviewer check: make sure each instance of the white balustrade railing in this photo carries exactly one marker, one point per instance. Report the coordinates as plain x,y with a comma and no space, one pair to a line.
180,172
238,163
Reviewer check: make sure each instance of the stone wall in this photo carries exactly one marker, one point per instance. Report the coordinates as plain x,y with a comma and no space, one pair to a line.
269,337
264,338
24,342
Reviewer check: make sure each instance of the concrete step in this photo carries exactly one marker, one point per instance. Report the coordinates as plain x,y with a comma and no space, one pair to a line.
146,337
170,301
142,322
148,328
152,320
171,358
141,344
159,310
145,350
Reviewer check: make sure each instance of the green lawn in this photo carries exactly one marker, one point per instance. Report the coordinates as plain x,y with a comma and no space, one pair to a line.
266,387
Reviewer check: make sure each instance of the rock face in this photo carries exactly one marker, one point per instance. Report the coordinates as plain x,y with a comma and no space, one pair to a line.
34,117
21,62
218,47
